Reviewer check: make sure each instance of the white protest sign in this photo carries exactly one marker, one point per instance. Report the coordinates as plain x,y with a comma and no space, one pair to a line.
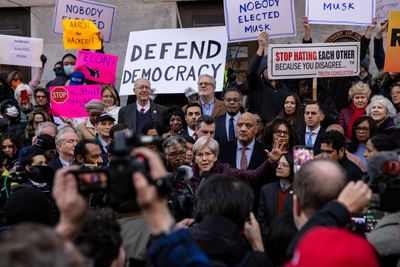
246,19
296,61
173,59
384,6
21,51
101,14
340,12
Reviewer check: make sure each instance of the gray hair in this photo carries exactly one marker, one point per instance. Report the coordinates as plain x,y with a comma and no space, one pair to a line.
213,81
172,141
390,109
206,141
43,125
135,83
60,135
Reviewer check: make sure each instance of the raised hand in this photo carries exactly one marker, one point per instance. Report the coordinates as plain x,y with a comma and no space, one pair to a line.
262,42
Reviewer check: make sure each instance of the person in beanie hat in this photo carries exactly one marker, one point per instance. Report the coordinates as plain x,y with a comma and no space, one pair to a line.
86,129
333,247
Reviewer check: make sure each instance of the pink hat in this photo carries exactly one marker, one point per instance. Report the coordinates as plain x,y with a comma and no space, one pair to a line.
333,247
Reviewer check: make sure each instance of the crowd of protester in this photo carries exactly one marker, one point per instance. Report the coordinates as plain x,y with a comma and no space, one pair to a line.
232,196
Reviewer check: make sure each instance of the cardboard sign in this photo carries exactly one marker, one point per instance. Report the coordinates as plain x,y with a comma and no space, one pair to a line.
246,19
21,51
295,61
384,6
70,101
340,12
173,59
80,34
100,14
392,62
97,67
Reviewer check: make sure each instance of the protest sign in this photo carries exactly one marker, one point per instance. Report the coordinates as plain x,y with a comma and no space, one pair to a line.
295,61
340,12
97,67
392,62
102,15
70,101
80,34
384,6
173,59
246,19
21,51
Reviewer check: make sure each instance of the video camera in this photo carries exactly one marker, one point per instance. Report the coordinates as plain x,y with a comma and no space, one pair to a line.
384,180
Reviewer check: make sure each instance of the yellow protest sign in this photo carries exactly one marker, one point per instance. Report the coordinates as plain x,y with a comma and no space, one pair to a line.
392,62
80,34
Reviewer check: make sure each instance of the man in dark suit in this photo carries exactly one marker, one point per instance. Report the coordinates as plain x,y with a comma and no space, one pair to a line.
310,135
192,113
245,152
136,115
66,140
226,124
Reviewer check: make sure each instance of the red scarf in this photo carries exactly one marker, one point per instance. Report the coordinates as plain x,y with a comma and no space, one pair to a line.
356,113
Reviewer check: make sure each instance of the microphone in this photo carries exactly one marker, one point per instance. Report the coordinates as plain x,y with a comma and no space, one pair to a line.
384,165
184,173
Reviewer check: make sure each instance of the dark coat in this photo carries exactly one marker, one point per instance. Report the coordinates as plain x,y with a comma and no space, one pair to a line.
220,239
353,172
388,128
317,145
127,115
268,206
220,130
263,98
55,164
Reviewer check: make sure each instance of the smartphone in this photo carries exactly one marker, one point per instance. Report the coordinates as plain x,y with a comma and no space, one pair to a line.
301,154
24,96
91,181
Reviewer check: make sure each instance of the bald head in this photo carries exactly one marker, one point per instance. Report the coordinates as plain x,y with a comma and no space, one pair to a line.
318,182
246,128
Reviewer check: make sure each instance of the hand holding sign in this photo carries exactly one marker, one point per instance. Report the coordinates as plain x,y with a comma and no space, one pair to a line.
262,43
80,34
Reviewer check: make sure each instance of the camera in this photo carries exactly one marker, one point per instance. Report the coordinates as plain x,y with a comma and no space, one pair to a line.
91,180
38,174
123,164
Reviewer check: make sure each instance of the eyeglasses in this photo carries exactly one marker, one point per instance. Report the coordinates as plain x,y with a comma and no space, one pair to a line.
281,133
204,84
207,155
362,129
143,87
57,69
177,154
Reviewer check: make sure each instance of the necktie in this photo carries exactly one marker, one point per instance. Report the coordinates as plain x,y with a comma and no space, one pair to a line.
195,136
231,129
243,159
142,110
309,140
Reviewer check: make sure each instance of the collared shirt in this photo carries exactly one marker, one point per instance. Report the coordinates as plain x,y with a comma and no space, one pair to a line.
314,136
228,117
249,152
103,143
146,107
64,162
207,108
285,187
190,132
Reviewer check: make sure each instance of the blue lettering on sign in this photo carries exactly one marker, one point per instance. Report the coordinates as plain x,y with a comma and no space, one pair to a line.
90,11
257,28
258,16
258,4
337,6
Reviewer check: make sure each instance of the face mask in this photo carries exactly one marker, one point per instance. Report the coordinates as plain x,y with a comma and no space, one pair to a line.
58,72
14,84
68,69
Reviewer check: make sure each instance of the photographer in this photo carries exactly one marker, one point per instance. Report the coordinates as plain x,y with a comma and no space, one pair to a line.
384,171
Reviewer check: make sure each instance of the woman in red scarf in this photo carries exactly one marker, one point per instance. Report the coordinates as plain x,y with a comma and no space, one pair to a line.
359,94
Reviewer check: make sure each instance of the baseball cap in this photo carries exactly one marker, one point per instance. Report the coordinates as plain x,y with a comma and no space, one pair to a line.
105,117
333,247
77,78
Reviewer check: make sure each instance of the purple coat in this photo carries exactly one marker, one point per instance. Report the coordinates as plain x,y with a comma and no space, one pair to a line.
345,118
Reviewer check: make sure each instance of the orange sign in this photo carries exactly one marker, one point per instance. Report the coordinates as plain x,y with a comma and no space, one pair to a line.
392,62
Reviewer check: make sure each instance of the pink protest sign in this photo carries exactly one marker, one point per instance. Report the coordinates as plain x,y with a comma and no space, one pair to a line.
69,101
97,67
